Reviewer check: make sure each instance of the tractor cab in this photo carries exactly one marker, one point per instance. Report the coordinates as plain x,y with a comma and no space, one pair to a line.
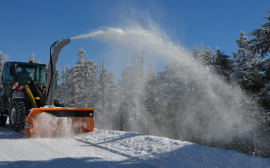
23,73
15,77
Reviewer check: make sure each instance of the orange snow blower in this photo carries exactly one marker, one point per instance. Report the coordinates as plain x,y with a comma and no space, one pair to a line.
27,92
81,118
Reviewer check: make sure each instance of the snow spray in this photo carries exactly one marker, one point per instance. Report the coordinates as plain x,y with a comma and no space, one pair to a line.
211,110
50,126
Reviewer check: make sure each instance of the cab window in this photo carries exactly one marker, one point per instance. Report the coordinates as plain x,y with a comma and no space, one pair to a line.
25,73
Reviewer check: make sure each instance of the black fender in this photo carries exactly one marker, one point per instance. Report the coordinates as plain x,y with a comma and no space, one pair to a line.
19,95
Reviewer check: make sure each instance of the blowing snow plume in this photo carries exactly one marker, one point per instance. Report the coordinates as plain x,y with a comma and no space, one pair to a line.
49,126
100,33
186,101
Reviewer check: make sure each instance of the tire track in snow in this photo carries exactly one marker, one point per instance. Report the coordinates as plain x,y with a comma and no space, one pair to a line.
121,153
103,153
64,147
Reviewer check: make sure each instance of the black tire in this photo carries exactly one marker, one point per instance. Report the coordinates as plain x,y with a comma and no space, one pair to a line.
3,120
17,115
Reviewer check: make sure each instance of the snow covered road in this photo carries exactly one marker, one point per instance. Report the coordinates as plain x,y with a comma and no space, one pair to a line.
104,148
17,151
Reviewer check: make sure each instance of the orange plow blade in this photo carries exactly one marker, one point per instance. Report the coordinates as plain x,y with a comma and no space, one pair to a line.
45,122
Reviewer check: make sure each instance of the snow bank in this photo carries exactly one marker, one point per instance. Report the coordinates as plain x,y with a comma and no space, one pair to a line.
164,152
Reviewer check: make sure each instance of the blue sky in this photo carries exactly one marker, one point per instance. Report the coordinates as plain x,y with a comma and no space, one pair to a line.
30,26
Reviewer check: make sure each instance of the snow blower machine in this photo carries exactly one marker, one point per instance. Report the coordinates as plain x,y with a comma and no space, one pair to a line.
27,92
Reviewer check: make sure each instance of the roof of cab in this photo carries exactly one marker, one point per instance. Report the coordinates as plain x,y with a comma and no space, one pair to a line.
25,63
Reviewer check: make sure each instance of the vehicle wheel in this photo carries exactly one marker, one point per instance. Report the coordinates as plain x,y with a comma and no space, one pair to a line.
3,120
17,115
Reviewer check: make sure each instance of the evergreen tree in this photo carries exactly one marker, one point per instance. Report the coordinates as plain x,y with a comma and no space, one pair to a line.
246,64
150,72
260,45
65,91
203,55
222,60
3,59
150,86
78,85
222,65
108,98
83,80
79,79
243,54
91,81
132,90
57,79
60,89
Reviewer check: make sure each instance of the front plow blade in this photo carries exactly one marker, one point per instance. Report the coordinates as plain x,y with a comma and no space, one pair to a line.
80,120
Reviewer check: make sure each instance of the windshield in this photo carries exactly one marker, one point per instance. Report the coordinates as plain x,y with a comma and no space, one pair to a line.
27,72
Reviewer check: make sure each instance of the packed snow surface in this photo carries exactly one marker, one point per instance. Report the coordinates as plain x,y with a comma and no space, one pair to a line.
103,148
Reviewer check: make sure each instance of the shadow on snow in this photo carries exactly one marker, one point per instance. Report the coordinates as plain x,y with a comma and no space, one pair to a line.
73,162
